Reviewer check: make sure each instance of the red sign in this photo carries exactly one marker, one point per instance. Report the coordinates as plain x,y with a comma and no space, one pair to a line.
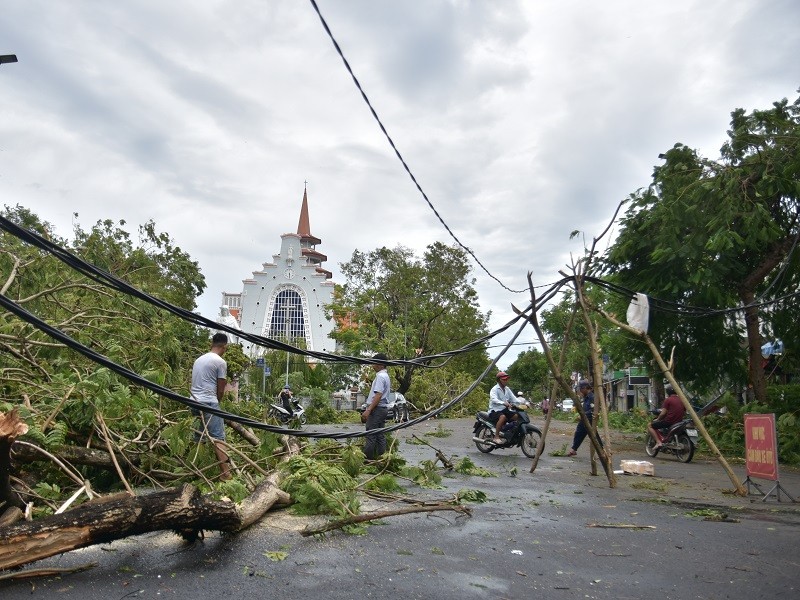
761,446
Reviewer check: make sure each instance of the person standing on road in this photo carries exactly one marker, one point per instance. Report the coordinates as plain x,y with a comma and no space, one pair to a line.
209,378
378,407
501,398
672,411
585,390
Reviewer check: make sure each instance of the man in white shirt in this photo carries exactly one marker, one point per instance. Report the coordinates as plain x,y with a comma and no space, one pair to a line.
501,398
377,409
209,378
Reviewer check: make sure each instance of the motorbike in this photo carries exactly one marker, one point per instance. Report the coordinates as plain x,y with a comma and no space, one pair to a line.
516,433
680,440
400,408
279,413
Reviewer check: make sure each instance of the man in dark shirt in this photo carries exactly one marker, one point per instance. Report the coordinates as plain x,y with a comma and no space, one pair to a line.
672,411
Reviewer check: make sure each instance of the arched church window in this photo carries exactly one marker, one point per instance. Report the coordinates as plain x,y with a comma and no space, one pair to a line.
287,317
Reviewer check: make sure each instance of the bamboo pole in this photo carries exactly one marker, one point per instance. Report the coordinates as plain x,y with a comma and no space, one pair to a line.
559,377
740,489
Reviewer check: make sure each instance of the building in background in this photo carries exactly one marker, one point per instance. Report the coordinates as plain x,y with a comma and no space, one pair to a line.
285,299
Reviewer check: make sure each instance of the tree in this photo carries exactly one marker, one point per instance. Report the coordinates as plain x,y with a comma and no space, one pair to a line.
396,303
66,399
530,373
720,235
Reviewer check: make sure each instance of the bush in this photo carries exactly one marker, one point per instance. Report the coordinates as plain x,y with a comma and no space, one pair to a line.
727,430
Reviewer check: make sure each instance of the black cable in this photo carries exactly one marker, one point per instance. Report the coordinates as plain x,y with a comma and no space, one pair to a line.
137,379
400,156
105,278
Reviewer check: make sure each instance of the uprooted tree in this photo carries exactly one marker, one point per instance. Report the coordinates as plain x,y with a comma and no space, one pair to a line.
77,440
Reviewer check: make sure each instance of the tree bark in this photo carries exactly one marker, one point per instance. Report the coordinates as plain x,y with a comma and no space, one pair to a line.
75,455
103,520
747,295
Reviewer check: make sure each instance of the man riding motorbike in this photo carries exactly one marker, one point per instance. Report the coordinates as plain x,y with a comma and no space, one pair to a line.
501,398
672,411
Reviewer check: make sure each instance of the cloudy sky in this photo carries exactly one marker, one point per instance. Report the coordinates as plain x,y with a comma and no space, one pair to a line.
523,121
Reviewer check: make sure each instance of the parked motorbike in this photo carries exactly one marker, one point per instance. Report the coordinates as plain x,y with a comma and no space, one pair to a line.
279,413
520,433
400,408
680,440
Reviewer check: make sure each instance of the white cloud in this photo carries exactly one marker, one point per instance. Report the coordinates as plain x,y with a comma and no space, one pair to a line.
522,121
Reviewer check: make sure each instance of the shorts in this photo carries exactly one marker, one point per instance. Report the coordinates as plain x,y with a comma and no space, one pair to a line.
214,425
495,414
662,425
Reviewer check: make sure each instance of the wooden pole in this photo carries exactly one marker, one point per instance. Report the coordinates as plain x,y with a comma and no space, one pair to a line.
740,489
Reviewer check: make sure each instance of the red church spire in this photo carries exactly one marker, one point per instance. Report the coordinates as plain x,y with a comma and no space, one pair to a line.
304,225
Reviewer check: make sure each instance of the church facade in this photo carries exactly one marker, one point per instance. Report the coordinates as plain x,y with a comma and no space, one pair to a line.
286,298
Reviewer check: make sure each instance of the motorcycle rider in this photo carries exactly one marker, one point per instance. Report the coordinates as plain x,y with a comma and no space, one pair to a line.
501,398
672,411
286,400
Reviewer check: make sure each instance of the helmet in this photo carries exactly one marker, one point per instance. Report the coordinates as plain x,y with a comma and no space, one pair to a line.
502,375
520,394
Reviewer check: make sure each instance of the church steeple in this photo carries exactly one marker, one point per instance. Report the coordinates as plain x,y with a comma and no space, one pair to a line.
304,225
308,241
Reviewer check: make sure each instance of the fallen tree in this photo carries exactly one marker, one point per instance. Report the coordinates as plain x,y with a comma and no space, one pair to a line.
183,509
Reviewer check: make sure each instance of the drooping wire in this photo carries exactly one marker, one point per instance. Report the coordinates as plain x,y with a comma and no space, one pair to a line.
400,156
137,379
105,278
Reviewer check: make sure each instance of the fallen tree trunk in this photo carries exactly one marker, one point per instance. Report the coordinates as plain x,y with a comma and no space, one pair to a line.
182,509
76,455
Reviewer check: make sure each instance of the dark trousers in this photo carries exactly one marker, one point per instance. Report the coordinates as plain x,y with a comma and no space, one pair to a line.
581,432
375,444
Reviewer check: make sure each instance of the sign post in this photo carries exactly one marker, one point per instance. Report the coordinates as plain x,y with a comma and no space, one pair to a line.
261,363
761,453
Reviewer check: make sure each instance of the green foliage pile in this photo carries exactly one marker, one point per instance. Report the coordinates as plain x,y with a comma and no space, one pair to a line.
385,483
465,466
66,399
727,430
632,421
319,487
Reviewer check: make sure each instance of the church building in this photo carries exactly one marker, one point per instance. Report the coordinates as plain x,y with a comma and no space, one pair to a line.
285,299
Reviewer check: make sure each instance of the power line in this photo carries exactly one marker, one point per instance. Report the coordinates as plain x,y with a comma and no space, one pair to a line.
400,156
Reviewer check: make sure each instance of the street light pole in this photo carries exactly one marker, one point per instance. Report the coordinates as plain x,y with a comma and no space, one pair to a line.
286,324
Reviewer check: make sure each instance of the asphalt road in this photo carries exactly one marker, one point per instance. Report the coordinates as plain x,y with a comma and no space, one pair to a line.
558,533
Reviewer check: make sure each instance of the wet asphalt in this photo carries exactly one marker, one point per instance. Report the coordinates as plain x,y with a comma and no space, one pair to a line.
558,533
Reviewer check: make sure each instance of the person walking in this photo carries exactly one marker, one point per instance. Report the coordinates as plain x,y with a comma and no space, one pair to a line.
377,408
209,378
585,390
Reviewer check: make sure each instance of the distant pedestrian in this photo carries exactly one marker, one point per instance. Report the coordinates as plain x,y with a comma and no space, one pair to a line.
377,409
545,405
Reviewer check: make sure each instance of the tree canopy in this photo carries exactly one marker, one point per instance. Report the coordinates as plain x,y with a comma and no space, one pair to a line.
395,302
722,235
